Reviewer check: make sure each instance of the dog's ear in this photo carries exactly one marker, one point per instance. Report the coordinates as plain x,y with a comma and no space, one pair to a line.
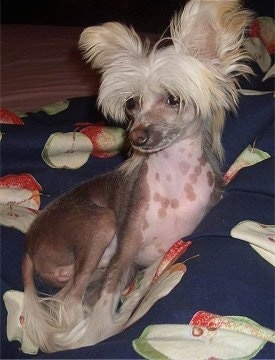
109,43
212,30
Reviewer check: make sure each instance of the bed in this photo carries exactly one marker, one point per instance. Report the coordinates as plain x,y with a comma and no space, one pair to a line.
225,300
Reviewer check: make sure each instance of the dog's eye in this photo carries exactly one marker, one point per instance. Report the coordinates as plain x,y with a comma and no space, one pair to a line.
173,101
130,104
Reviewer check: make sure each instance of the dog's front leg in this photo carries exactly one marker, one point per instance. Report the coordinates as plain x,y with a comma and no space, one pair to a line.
92,250
106,320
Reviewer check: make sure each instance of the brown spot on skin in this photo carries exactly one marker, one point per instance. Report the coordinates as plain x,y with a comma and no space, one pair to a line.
194,176
189,191
182,150
210,178
169,177
157,176
197,170
190,155
161,213
164,201
145,224
160,250
202,160
184,167
158,246
174,203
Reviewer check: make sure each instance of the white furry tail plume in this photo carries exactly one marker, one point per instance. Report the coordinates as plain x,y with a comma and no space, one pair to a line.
51,333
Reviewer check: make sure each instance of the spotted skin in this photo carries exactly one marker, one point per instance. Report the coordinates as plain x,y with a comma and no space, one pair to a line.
179,193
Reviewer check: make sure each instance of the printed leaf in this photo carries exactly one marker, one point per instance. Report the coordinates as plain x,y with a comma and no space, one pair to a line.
248,157
234,323
69,150
107,141
162,287
154,283
56,108
180,342
14,302
172,255
208,336
9,117
17,217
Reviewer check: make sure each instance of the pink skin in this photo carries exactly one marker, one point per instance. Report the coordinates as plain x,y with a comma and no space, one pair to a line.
180,192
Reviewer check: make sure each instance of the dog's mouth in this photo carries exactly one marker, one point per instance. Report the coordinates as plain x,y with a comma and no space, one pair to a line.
148,140
148,149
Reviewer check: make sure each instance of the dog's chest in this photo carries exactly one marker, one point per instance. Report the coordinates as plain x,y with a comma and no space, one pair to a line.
180,183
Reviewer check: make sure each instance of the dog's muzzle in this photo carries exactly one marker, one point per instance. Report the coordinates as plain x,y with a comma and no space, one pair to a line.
139,137
150,138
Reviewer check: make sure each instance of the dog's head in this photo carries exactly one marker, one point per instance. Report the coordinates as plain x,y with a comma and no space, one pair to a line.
167,93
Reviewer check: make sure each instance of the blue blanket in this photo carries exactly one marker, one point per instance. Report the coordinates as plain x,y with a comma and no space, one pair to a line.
229,277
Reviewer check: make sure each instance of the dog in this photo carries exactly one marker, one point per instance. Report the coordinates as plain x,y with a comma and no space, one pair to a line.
173,98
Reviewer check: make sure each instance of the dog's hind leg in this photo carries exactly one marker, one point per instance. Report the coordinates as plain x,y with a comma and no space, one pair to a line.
91,239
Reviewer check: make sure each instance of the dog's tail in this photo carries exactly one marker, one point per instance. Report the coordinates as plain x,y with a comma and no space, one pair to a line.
46,318
105,320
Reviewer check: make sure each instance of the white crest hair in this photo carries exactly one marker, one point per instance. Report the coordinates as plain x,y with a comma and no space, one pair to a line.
201,66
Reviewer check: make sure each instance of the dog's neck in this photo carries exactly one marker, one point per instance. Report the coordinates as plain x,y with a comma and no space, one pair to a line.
181,163
184,149
167,159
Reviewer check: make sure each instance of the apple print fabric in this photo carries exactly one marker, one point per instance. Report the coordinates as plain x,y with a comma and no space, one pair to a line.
221,276
44,155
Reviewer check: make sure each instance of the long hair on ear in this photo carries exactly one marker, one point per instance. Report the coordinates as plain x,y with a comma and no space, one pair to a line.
105,44
117,52
213,31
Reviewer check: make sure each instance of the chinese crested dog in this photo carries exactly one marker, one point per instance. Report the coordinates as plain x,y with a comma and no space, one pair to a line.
173,97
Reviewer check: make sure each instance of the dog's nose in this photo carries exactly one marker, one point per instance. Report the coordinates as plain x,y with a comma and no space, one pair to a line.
139,136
